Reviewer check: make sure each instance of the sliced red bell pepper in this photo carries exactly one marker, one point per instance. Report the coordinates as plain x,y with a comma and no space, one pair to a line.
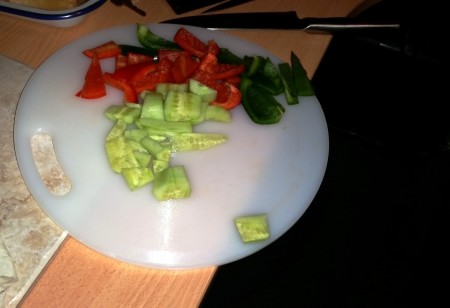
126,73
129,93
133,58
183,67
121,61
224,71
107,50
213,47
189,42
228,96
93,87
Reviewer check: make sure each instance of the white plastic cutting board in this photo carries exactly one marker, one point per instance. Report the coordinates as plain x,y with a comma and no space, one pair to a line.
274,169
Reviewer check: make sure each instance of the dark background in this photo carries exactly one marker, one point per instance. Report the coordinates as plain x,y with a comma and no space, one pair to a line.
376,235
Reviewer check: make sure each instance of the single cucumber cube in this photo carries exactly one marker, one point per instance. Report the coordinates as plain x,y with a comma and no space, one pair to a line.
164,128
159,165
135,134
156,149
206,93
171,183
182,107
137,177
252,228
217,113
164,88
152,107
142,158
117,130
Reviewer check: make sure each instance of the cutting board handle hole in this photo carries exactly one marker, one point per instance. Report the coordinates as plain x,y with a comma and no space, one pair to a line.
48,166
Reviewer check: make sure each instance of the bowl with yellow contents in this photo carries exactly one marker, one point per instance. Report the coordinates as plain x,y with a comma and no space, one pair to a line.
58,13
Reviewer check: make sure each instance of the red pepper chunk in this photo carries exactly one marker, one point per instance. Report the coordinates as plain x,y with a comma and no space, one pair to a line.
93,87
107,50
183,67
228,96
190,43
130,95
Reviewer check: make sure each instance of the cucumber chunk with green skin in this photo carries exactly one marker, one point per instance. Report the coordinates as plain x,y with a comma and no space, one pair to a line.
159,165
156,149
125,113
218,114
117,130
171,183
162,127
120,154
135,134
288,82
253,228
143,158
137,177
206,93
164,88
301,81
182,107
153,106
196,141
152,41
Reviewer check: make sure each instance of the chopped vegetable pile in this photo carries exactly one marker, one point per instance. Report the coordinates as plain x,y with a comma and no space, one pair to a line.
169,86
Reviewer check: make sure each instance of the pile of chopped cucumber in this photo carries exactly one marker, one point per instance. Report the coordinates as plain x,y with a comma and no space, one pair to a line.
141,142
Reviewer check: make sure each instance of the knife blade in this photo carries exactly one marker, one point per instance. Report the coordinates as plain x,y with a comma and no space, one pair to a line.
225,5
287,20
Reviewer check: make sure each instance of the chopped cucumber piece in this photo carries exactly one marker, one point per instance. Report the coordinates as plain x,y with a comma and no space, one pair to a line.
159,165
182,107
156,149
161,127
137,177
171,183
152,107
206,93
120,154
217,113
196,141
164,88
252,228
117,130
135,134
125,113
142,158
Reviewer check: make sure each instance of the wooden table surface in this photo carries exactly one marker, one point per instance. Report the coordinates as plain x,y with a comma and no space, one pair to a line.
80,277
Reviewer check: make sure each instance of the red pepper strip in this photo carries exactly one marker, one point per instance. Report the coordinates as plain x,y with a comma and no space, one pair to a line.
213,47
183,67
166,54
149,81
129,93
190,42
93,87
133,58
224,71
228,96
234,80
146,78
121,61
108,50
127,72
208,64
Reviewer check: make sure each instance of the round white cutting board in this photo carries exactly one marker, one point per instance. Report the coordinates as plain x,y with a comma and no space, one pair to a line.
273,169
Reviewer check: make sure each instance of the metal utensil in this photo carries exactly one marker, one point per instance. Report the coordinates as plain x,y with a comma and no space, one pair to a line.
279,20
129,4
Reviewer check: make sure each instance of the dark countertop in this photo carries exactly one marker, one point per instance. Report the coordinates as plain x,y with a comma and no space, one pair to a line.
376,233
